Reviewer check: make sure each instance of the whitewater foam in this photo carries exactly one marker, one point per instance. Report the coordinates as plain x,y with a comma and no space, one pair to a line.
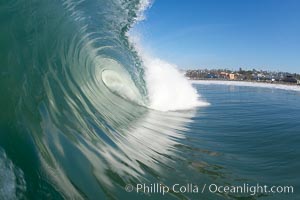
168,89
248,84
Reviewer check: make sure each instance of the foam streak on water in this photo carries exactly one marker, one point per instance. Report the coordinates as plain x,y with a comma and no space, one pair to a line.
12,182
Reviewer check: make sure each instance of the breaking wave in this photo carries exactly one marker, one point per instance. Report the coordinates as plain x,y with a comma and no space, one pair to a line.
83,100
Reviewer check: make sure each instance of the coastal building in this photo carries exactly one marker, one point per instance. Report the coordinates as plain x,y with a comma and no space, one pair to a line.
231,76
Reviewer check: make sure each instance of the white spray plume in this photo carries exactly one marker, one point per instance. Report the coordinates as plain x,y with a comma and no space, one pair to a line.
143,6
168,89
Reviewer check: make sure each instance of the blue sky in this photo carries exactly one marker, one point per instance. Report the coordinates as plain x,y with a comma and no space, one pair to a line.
261,34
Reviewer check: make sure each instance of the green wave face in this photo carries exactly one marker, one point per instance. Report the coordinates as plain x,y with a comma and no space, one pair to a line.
73,100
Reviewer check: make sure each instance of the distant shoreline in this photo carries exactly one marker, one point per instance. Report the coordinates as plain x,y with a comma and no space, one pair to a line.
254,75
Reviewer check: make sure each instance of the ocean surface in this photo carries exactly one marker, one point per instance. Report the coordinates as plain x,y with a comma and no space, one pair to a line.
86,113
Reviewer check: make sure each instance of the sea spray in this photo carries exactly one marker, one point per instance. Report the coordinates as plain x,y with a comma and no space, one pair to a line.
168,89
